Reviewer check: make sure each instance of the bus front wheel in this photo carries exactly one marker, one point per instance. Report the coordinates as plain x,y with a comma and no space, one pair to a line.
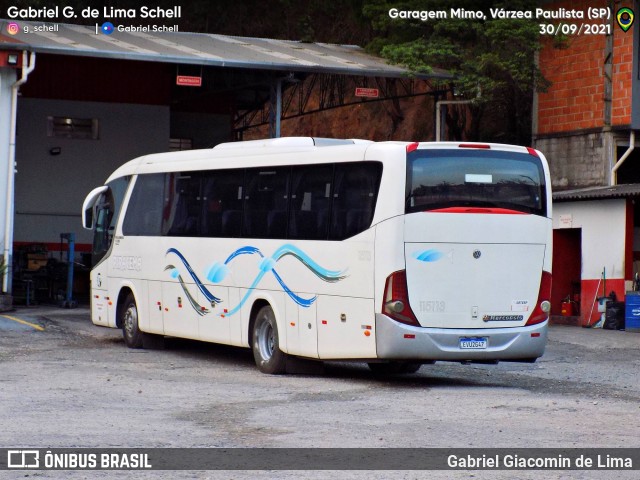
129,321
269,358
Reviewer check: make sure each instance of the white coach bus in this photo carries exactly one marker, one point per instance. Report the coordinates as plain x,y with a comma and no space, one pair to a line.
391,253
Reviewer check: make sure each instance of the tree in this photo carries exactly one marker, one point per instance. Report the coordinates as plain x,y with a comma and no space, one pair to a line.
493,60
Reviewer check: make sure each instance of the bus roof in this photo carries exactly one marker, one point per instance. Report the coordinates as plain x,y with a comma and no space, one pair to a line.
283,151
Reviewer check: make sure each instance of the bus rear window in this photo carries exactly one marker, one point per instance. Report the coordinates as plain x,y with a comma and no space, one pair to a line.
475,178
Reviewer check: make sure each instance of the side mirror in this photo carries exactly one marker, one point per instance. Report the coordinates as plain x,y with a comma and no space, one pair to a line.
89,204
87,220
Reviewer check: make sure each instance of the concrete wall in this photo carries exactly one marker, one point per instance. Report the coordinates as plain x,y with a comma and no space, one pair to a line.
50,189
604,225
578,160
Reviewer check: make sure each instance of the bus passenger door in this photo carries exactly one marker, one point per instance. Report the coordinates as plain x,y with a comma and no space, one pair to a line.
99,296
101,213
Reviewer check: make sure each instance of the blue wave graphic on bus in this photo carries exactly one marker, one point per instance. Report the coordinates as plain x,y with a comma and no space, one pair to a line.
431,255
207,294
218,272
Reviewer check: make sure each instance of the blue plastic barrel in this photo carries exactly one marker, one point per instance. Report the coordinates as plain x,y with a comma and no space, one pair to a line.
632,312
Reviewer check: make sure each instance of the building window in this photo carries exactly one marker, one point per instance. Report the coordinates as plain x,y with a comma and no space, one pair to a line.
76,128
178,144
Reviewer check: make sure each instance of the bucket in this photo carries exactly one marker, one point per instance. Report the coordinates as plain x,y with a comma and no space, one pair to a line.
602,304
568,309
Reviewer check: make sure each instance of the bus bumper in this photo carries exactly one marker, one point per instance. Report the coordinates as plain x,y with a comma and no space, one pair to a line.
397,341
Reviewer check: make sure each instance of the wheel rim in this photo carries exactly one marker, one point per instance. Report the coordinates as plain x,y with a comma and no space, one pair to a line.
130,319
266,340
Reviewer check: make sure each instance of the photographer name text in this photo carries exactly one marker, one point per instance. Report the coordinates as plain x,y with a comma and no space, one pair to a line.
51,13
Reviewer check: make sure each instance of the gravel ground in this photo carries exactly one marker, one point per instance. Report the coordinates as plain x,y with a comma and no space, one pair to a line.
77,385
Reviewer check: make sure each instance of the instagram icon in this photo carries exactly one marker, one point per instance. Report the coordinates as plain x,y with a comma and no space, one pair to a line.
13,28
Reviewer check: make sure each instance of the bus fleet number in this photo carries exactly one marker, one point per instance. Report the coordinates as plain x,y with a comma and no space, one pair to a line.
432,306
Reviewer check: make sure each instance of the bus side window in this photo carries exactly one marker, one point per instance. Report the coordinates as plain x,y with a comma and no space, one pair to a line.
310,200
144,214
354,198
184,218
224,201
211,221
265,203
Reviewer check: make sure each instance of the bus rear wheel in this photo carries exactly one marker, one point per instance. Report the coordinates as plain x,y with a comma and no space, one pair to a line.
129,321
269,358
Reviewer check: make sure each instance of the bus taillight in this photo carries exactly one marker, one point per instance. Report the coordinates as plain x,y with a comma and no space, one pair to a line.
483,146
543,305
412,147
396,299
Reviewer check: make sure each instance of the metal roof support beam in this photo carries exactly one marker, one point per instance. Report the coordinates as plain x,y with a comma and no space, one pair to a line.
275,110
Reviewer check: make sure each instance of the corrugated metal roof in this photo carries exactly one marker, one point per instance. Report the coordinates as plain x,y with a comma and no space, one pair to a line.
202,49
600,193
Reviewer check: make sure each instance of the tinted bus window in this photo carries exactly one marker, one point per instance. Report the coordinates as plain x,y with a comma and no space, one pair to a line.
266,202
145,211
222,193
310,202
183,205
477,178
354,198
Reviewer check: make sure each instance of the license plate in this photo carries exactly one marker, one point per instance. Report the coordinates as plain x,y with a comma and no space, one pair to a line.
474,343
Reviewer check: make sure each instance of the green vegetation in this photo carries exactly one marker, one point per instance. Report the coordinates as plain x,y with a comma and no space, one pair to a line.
493,60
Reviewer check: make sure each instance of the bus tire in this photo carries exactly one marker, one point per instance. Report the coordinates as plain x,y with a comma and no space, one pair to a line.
269,358
129,321
390,368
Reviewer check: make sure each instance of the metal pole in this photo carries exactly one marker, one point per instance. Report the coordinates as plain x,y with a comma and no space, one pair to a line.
275,108
27,68
71,237
278,106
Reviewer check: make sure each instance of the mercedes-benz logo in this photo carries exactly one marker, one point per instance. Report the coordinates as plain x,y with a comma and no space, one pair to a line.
477,254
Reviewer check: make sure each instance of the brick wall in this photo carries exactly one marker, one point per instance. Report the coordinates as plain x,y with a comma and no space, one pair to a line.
575,100
622,77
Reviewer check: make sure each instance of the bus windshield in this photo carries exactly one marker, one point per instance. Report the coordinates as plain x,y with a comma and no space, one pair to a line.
439,179
106,211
